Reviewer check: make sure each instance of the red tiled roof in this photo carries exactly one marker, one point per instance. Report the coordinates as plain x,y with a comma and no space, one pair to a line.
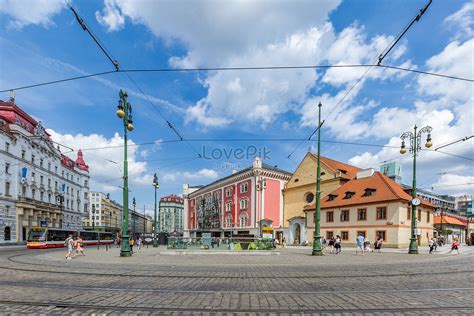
385,190
448,220
347,171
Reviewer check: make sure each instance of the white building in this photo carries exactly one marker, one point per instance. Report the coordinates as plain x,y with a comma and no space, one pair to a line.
171,214
39,185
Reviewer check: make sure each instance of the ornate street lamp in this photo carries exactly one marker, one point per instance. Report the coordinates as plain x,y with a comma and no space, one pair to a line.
124,112
415,147
317,249
134,215
156,185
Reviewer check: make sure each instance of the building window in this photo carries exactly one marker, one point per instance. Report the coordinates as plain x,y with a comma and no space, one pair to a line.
7,233
243,204
381,234
23,153
243,187
7,168
228,207
345,216
419,215
329,234
408,212
243,220
41,180
427,216
228,221
381,213
309,197
49,183
7,147
228,192
41,196
344,235
49,166
33,193
23,191
7,188
7,210
32,159
362,214
331,197
362,232
41,163
55,169
369,192
349,194
49,197
329,216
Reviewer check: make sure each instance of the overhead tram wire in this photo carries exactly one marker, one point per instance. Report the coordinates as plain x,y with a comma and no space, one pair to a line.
379,61
46,83
116,65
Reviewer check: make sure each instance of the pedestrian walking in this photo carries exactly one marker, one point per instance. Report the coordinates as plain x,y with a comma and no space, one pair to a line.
435,243
360,244
79,246
455,246
431,244
378,244
131,242
70,245
367,245
337,244
331,244
139,243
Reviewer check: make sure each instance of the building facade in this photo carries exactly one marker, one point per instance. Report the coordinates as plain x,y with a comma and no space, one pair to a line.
301,189
104,213
171,214
375,206
236,204
39,186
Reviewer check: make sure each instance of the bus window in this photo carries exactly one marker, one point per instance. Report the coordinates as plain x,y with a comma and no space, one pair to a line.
106,236
37,235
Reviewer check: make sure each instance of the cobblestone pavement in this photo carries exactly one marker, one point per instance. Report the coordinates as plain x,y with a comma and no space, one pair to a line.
291,282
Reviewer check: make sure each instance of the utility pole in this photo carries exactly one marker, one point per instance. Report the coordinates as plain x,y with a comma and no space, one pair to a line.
144,220
156,185
415,147
124,112
317,251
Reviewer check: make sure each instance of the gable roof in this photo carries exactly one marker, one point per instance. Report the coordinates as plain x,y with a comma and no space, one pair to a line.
385,190
347,171
446,219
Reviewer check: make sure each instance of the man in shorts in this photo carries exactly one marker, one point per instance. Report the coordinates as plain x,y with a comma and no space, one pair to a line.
360,244
70,245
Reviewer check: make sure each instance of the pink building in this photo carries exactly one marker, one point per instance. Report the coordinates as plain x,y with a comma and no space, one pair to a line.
237,203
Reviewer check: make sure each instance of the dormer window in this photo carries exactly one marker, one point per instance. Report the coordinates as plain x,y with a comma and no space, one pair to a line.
369,191
342,171
349,194
331,197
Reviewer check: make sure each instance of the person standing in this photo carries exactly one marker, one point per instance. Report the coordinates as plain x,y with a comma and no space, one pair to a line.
455,246
70,245
139,243
79,246
331,244
431,244
360,244
337,244
131,242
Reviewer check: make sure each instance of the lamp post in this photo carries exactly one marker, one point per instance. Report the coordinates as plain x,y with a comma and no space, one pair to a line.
415,147
156,185
93,217
317,251
124,112
134,215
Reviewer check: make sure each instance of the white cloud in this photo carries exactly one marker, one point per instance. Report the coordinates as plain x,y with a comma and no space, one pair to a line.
449,183
27,12
462,20
201,175
105,165
111,18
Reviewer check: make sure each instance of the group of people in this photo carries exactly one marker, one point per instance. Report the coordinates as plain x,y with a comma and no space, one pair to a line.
334,244
74,244
363,245
434,242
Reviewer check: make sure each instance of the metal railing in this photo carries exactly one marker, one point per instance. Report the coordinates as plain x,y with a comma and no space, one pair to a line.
229,243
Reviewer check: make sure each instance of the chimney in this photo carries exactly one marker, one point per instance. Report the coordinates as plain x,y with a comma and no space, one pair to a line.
365,173
257,163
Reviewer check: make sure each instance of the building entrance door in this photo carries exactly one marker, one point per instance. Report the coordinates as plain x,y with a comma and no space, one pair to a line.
297,234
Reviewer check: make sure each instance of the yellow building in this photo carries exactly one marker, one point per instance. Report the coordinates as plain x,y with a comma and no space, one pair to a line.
375,206
301,189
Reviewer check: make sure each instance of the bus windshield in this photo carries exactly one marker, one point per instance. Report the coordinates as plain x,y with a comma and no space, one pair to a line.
37,235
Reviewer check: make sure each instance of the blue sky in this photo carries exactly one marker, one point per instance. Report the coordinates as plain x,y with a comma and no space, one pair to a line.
41,41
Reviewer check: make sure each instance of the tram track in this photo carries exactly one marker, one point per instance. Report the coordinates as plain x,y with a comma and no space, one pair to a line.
76,287
64,307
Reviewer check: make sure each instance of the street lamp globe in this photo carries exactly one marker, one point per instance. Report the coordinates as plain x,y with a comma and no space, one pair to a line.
130,127
120,113
403,149
428,141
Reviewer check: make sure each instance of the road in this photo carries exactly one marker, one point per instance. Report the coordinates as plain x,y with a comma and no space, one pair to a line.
154,282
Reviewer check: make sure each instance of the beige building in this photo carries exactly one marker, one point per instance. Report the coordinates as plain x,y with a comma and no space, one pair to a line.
301,189
104,213
373,205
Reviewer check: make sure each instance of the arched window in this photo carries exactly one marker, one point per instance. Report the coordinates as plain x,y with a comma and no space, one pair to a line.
228,221
243,220
6,235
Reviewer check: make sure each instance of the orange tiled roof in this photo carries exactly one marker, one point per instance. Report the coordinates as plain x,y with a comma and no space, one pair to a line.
350,171
385,190
448,220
